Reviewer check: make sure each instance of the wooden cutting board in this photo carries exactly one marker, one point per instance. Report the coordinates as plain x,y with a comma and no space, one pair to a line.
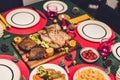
35,63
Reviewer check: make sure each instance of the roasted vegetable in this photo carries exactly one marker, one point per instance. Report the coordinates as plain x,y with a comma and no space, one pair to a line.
41,71
36,38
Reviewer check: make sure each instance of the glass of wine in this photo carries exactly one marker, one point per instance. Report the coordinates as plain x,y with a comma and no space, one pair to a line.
104,48
52,12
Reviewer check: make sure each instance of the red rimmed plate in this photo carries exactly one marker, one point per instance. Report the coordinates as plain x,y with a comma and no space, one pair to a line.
94,30
86,43
77,67
23,68
28,30
9,68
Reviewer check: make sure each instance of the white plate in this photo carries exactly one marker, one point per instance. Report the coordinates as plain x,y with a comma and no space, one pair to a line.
94,30
53,66
22,18
9,70
116,50
81,69
61,6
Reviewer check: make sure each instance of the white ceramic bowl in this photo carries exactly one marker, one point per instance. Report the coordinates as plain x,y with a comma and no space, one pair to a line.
89,60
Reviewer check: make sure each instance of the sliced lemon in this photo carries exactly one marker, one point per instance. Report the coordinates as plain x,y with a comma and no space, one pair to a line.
50,51
17,39
72,43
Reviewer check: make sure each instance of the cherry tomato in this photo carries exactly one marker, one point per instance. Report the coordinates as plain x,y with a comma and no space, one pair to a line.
45,56
95,56
59,49
89,54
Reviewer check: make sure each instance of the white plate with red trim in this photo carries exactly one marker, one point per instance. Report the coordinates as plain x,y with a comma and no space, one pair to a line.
52,66
116,50
94,30
22,18
9,70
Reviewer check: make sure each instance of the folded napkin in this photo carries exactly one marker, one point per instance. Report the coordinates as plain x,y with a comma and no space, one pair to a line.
4,21
2,25
80,19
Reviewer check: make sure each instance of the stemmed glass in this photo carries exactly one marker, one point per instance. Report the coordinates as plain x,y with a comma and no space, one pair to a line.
104,48
52,12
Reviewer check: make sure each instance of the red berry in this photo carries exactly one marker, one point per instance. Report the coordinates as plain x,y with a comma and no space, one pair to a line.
45,55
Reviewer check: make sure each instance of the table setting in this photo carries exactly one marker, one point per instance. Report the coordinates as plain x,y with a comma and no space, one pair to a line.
56,40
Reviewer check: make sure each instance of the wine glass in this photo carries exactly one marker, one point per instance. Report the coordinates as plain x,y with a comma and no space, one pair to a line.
104,48
52,12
